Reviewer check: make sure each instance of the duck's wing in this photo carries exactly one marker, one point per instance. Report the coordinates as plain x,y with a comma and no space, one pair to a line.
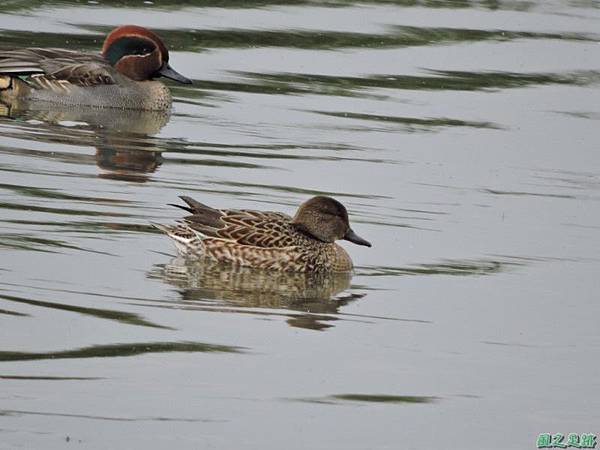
43,65
244,227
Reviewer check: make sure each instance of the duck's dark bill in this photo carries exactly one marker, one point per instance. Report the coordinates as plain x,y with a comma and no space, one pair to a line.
168,72
353,237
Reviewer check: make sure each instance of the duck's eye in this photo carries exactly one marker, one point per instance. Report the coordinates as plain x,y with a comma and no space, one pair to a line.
142,51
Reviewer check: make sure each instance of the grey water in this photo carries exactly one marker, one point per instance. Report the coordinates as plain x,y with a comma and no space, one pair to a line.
461,135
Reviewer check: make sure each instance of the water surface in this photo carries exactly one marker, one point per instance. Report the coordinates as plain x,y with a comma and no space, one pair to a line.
461,135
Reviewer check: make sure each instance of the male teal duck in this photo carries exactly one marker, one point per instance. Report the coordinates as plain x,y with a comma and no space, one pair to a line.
267,240
122,76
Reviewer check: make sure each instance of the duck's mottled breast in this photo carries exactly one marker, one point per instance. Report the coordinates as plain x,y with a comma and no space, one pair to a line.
336,259
323,257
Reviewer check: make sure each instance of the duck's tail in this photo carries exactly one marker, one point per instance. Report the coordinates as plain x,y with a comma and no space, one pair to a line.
187,240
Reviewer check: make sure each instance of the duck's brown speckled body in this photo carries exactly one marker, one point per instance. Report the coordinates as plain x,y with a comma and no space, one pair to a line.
268,240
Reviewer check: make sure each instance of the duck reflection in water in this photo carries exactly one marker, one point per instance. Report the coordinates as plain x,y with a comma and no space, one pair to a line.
125,149
317,296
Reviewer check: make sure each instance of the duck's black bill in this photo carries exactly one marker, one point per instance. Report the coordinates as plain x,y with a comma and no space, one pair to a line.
168,72
355,238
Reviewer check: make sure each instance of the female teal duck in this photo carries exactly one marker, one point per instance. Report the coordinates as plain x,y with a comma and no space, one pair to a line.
120,77
268,240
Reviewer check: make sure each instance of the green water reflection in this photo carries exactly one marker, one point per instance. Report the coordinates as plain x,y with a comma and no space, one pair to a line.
339,399
119,316
120,350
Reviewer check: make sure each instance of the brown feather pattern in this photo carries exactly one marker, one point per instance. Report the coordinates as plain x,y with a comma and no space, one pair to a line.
266,240
52,65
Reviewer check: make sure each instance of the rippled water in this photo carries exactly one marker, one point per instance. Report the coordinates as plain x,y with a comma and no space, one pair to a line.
462,136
